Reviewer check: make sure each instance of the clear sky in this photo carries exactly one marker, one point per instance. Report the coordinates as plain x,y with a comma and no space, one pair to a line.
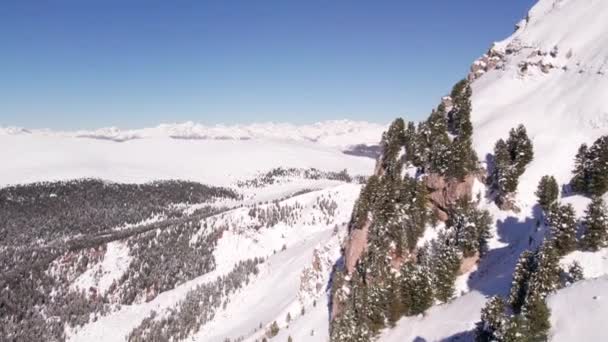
95,63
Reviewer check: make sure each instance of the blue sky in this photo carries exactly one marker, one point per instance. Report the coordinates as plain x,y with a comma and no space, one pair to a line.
87,64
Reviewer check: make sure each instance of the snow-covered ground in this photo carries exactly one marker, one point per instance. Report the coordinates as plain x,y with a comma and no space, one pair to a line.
295,275
37,157
335,133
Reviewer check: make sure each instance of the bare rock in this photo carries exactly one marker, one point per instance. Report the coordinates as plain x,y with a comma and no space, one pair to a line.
444,193
356,246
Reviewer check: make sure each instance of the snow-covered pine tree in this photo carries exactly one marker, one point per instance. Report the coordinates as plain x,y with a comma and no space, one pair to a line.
562,221
545,277
536,316
444,267
520,148
598,158
521,278
416,288
439,148
410,144
503,176
595,224
581,169
392,143
493,320
547,192
591,168
471,227
459,118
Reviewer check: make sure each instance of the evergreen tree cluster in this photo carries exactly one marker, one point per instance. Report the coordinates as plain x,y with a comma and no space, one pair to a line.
563,225
510,160
376,294
443,143
470,226
524,317
591,168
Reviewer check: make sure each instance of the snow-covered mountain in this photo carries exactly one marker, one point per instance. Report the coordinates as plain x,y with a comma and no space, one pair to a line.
255,259
550,75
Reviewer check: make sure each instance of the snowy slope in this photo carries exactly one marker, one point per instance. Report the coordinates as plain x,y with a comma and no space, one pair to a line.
295,275
579,312
561,97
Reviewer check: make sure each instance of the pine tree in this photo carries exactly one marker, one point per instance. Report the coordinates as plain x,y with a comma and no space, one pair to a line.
546,272
416,288
547,192
459,118
596,225
464,159
445,265
504,175
598,172
392,143
536,314
581,169
471,227
493,320
521,278
410,144
520,148
591,168
562,220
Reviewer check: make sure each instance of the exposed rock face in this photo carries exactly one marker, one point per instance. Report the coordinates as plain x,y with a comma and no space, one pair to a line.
356,246
493,59
444,193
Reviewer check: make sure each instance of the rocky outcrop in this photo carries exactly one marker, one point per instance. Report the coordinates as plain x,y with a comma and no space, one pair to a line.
356,246
493,59
444,193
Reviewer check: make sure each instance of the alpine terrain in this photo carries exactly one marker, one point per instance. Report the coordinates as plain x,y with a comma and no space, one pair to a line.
486,221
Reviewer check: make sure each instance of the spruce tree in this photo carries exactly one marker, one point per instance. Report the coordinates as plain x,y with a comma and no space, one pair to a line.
595,223
562,220
547,192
